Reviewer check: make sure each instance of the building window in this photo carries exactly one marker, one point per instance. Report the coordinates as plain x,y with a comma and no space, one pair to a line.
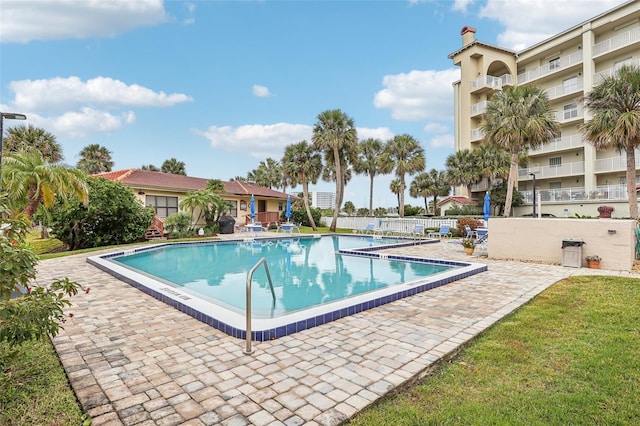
554,64
555,161
570,85
618,64
570,111
164,206
232,208
280,208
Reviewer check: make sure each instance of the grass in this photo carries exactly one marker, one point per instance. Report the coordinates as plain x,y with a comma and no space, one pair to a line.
568,357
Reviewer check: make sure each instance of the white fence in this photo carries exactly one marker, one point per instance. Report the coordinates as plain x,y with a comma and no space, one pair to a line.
387,224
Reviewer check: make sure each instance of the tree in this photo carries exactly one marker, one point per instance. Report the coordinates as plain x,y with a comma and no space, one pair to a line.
216,185
174,167
432,184
25,138
408,158
518,118
271,173
615,105
493,163
303,165
32,181
349,208
202,200
396,187
335,133
150,167
462,170
95,159
112,216
370,162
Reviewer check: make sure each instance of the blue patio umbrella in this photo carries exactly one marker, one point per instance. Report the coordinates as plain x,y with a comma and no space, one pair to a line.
252,208
486,209
287,211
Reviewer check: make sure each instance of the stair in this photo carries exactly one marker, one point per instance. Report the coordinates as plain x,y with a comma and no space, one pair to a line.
153,234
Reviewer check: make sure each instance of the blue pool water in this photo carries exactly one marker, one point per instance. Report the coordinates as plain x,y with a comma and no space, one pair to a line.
316,280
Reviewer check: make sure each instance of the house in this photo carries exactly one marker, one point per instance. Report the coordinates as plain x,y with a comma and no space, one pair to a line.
569,174
165,191
453,201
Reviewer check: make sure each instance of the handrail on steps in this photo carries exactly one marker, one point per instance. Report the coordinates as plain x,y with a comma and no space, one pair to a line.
263,261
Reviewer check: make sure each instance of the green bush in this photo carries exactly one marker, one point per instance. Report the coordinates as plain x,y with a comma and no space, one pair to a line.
300,216
178,222
464,210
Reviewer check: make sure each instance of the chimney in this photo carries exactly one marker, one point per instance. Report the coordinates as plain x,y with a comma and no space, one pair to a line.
468,35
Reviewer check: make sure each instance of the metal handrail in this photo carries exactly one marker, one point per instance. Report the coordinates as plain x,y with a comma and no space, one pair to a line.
263,261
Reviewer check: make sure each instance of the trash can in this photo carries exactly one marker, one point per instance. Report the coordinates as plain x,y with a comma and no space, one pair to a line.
226,224
572,252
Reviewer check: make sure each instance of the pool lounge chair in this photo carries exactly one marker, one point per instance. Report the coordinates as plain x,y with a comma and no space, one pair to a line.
444,232
369,229
418,231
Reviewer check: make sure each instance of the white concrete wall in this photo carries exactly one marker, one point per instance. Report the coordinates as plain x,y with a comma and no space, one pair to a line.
541,239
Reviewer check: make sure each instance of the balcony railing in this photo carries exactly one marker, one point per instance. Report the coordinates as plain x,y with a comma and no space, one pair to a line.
621,40
614,164
559,144
541,172
551,67
491,82
599,77
479,108
562,90
569,115
476,134
596,193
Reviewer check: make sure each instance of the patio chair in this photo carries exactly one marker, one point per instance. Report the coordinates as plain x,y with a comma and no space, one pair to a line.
369,229
444,232
470,232
418,231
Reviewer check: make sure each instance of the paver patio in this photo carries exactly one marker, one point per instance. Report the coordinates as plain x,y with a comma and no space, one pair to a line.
133,360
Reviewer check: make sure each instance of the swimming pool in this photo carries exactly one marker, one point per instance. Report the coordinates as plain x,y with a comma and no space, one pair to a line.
316,280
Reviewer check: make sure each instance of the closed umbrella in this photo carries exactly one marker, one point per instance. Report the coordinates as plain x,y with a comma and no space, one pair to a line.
252,208
487,206
287,211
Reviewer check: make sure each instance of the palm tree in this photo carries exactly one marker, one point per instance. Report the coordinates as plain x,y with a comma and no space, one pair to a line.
205,200
150,167
519,118
303,165
95,159
333,133
462,170
615,105
23,138
174,167
31,181
493,163
408,157
434,184
370,163
396,187
258,176
216,185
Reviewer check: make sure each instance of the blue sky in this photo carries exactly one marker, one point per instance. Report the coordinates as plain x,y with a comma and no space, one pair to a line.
222,85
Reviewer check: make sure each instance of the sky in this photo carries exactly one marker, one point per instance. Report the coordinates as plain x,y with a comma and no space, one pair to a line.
223,85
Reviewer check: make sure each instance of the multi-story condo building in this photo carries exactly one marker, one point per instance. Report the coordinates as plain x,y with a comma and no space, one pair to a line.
323,200
569,174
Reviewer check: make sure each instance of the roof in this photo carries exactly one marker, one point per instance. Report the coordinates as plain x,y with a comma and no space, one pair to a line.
166,181
480,43
456,199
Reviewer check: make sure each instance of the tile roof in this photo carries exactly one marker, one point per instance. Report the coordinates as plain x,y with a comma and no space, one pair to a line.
165,181
456,199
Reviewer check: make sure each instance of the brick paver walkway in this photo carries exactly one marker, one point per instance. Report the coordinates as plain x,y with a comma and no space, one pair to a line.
133,360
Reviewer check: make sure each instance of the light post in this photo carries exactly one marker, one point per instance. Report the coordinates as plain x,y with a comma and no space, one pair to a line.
8,116
534,193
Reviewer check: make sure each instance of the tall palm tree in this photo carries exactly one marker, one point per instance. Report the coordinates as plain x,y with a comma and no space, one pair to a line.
95,159
32,181
615,105
396,187
519,118
303,165
370,163
408,158
493,163
258,176
216,185
174,167
430,184
26,137
462,170
333,133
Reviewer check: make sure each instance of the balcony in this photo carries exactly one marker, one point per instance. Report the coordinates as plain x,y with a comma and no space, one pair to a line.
599,77
614,164
491,83
618,42
559,144
569,115
476,134
550,68
479,108
544,172
563,90
579,194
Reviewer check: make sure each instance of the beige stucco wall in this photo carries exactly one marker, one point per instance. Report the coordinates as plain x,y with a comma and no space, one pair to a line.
540,240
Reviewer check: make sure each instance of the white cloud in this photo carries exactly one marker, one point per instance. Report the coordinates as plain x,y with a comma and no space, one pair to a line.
26,20
435,128
442,141
261,91
67,93
461,5
382,133
418,95
528,22
81,123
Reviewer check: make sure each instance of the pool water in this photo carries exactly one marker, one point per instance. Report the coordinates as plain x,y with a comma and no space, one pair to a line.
304,273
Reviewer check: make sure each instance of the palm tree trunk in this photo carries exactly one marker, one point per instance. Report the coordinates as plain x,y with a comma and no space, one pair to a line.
339,187
513,172
305,192
632,195
401,197
371,196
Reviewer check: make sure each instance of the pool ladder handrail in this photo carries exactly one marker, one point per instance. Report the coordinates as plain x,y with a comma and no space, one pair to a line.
262,261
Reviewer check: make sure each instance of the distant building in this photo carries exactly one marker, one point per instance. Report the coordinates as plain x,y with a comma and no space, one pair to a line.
323,200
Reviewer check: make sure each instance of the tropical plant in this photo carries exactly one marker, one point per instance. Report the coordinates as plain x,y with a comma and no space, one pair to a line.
303,165
468,242
462,170
173,167
178,223
95,159
518,118
432,184
150,167
407,156
349,208
396,187
205,201
370,162
26,138
268,174
493,163
615,106
112,216
334,133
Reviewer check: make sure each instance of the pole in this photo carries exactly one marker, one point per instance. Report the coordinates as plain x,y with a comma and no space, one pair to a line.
534,193
10,116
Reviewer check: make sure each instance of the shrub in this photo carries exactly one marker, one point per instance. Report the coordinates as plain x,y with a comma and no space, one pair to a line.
473,224
179,222
300,216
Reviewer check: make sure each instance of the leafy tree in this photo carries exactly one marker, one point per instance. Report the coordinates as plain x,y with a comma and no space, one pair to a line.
349,208
95,159
150,167
462,170
370,162
432,184
361,212
615,105
173,167
410,210
334,133
380,212
299,215
408,158
112,216
518,118
26,138
303,165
